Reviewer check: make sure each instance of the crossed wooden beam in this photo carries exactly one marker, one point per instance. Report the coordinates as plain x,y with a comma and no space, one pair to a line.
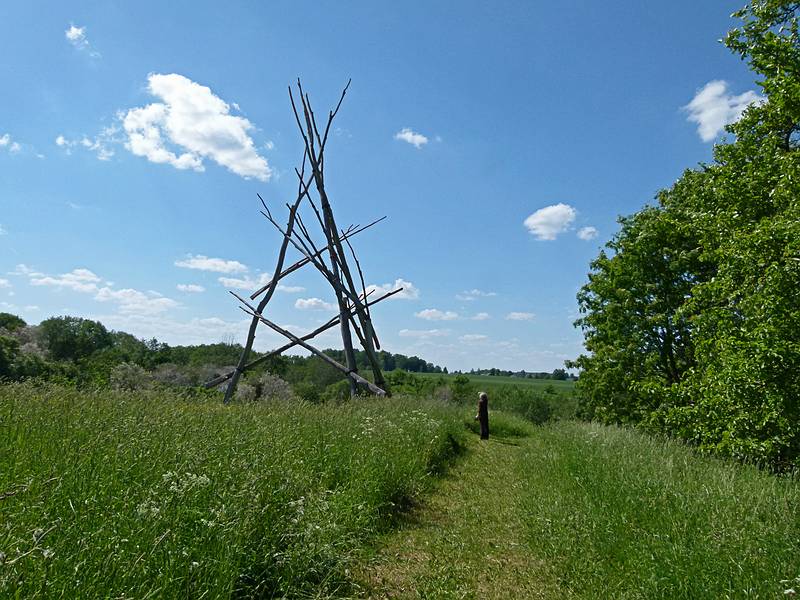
330,259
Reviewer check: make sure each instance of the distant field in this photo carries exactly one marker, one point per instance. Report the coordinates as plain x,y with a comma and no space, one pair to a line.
491,380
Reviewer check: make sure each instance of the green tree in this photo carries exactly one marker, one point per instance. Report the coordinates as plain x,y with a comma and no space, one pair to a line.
11,322
692,319
73,338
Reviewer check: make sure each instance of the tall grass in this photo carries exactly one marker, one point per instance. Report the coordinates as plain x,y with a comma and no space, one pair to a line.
616,514
145,496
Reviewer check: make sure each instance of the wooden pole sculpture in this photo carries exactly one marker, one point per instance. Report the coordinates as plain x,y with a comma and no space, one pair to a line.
352,300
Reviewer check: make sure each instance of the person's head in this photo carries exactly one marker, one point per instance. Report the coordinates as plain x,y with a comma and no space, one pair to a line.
483,396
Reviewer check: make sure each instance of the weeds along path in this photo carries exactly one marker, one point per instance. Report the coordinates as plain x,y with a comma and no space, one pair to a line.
467,540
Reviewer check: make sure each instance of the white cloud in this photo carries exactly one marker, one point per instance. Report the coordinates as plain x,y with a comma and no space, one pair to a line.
409,291
101,144
77,37
193,331
712,108
5,283
482,316
520,316
411,137
314,304
256,283
198,123
424,333
473,337
434,314
80,280
190,288
546,223
129,301
7,142
217,265
22,269
587,233
2,230
469,295
132,301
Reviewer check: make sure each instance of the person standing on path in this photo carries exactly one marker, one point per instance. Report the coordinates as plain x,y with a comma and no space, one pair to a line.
483,415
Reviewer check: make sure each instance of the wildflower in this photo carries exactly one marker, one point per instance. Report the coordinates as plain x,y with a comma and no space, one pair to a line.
37,534
47,553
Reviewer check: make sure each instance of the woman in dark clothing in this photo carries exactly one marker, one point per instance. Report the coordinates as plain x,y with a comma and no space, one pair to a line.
483,415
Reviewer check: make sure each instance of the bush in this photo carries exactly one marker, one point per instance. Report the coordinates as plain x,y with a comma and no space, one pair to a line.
308,392
129,377
272,387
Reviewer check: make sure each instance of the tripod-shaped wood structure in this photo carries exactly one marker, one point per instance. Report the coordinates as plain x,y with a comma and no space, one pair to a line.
329,258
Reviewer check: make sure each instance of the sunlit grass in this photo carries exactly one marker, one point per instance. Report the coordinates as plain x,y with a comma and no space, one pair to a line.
140,495
617,514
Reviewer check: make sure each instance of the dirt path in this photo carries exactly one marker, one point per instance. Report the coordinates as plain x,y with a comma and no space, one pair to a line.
466,540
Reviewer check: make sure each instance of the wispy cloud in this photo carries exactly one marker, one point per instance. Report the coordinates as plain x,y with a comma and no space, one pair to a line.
76,36
424,333
411,137
255,283
473,337
216,265
546,223
3,230
101,144
190,288
79,280
82,280
134,301
481,316
712,108
520,316
587,233
314,304
470,295
410,292
6,143
197,123
434,314
5,284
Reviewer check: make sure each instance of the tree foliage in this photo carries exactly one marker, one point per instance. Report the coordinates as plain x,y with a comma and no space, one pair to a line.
692,313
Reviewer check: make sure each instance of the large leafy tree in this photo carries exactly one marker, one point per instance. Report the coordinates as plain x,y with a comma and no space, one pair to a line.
73,338
718,264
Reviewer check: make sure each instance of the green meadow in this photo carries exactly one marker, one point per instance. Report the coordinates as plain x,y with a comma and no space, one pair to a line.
156,494
146,495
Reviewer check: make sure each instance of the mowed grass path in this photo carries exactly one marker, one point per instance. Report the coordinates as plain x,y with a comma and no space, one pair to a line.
576,510
468,539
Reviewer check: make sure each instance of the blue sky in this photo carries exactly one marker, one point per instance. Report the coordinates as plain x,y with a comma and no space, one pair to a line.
502,140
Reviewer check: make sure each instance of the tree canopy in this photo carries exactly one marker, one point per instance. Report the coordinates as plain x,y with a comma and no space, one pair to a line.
691,315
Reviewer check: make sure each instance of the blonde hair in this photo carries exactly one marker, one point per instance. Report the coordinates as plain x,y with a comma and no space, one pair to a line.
483,396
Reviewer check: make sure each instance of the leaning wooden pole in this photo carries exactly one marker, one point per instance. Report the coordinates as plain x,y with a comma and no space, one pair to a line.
329,226
336,250
251,333
353,375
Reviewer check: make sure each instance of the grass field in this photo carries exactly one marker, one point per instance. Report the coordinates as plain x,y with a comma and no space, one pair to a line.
149,495
576,510
145,496
490,381
617,514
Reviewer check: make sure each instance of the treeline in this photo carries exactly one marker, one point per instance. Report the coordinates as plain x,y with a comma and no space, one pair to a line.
691,315
84,352
557,374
